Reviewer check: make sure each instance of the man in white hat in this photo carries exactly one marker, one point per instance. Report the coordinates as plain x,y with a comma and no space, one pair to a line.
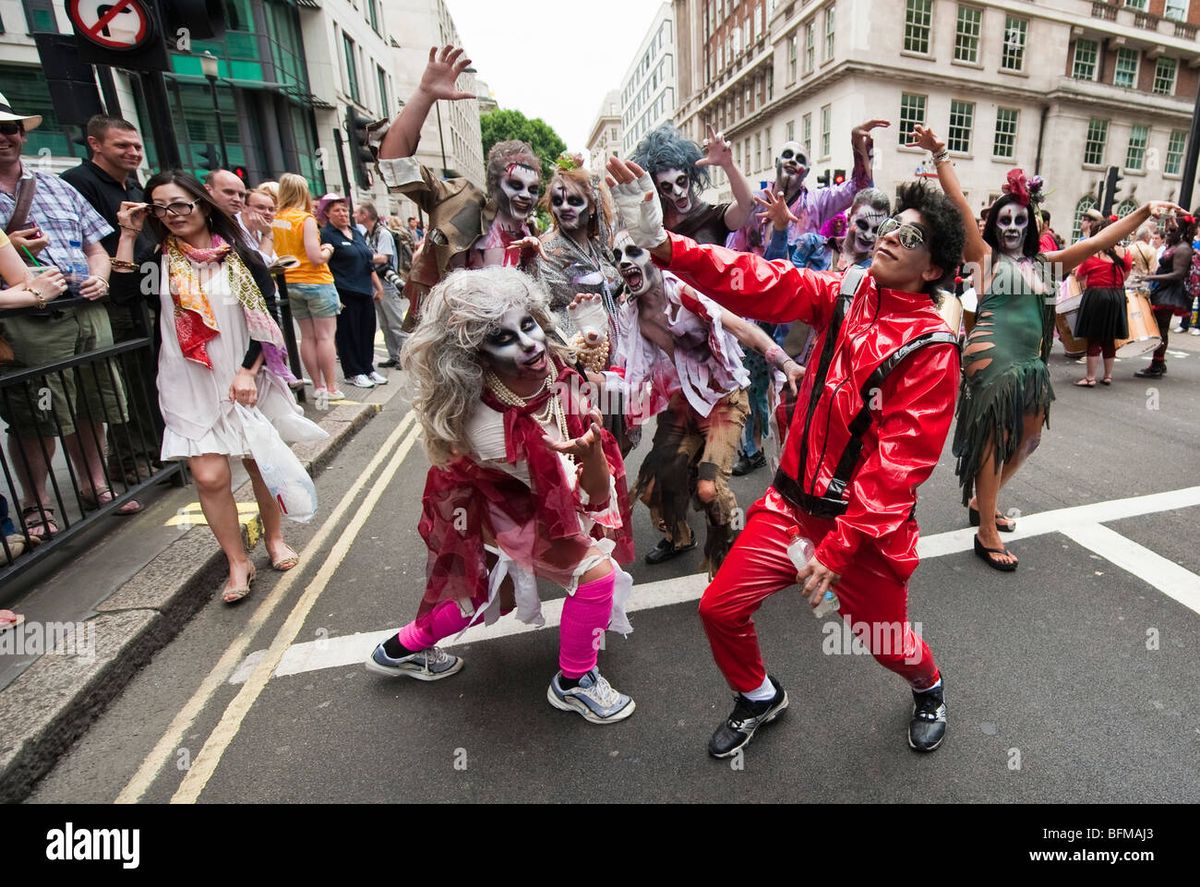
53,224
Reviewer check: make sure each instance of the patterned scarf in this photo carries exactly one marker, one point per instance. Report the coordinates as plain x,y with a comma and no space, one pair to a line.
195,323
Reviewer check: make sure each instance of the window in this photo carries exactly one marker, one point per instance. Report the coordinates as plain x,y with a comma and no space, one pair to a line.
351,67
1086,202
1136,4
1006,133
918,19
806,140
1015,32
1175,147
1097,135
1125,207
810,43
1084,65
1164,76
1135,154
966,35
962,117
1127,67
790,131
373,13
912,112
830,19
757,151
1176,10
39,16
793,57
385,108
825,115
746,154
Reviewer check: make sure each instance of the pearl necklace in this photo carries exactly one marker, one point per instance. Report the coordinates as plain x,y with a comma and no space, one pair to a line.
552,412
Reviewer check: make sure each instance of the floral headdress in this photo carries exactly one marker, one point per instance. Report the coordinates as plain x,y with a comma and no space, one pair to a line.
1027,191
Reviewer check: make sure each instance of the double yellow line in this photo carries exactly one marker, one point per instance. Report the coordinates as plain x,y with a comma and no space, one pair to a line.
204,765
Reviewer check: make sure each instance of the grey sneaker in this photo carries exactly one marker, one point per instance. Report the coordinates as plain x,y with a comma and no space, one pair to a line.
594,699
360,381
378,378
431,664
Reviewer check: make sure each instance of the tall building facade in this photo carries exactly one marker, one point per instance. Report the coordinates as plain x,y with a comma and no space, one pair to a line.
648,92
604,139
1063,88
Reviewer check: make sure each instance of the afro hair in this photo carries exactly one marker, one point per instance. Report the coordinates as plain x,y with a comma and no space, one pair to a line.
941,218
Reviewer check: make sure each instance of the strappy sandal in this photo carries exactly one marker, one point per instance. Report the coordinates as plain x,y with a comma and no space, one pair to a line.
1107,380
286,563
1003,524
985,554
34,519
104,496
1086,383
233,595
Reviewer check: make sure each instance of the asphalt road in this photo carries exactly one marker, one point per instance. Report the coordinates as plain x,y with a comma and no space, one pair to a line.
1072,680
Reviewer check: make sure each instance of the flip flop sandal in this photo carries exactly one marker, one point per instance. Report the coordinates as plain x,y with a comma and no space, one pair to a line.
1003,524
985,554
1086,383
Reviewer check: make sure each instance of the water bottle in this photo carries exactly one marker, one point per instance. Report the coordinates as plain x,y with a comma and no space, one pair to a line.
77,270
800,552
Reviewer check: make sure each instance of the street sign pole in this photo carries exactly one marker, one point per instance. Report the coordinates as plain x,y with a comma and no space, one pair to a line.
1189,162
158,104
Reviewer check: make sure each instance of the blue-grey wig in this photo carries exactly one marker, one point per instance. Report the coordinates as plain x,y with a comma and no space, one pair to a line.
666,148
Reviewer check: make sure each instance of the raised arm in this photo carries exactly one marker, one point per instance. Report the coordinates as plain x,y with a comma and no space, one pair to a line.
751,336
975,251
438,82
1113,234
745,283
719,152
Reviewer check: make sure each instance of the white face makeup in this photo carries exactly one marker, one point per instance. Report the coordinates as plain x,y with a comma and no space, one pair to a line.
675,188
791,166
571,209
516,349
519,190
640,274
1011,225
863,230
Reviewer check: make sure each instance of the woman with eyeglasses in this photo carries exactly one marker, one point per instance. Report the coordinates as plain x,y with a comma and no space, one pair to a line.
1006,393
220,347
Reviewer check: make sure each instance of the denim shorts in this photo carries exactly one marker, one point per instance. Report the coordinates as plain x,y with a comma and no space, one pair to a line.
313,300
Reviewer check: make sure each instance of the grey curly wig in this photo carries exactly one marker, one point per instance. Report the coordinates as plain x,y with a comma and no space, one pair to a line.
505,154
442,354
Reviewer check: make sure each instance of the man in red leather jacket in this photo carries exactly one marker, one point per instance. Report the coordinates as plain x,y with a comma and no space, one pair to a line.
871,421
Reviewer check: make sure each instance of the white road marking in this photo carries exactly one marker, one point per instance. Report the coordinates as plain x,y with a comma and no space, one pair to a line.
1080,523
172,740
1167,576
205,764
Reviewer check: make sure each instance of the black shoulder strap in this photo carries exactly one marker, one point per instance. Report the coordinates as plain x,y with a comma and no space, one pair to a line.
862,421
851,281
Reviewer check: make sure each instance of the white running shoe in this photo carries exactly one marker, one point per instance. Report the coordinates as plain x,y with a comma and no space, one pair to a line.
377,378
361,381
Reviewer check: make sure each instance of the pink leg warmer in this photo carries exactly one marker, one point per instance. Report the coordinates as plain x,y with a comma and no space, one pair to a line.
445,619
584,617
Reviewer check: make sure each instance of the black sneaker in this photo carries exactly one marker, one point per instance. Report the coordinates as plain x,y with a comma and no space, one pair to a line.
664,550
1153,371
927,728
389,363
747,716
745,465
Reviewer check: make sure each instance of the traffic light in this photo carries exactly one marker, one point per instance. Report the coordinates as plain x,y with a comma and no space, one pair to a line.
210,158
361,156
839,176
1108,190
240,172
824,179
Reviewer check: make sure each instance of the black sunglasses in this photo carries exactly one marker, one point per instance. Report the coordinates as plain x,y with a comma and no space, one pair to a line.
11,128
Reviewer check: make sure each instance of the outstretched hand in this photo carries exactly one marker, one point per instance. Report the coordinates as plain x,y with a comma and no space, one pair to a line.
923,137
717,151
441,74
590,445
860,136
638,206
777,211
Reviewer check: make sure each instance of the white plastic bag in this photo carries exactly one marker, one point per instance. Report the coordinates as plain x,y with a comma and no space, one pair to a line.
282,472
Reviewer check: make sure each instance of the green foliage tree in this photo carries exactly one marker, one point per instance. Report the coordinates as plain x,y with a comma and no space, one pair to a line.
500,125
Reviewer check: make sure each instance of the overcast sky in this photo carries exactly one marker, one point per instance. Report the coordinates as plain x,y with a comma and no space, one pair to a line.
554,59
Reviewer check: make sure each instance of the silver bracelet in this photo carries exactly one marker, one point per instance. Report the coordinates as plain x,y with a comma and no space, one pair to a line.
942,156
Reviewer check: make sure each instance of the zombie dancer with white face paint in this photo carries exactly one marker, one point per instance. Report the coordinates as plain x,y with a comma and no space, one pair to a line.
467,228
679,168
1006,392
525,485
689,352
576,253
809,209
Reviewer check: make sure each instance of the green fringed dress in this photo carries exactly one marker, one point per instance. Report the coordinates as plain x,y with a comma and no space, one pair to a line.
995,399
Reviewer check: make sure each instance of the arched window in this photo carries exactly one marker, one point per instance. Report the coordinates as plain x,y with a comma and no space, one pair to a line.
1126,206
1086,202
